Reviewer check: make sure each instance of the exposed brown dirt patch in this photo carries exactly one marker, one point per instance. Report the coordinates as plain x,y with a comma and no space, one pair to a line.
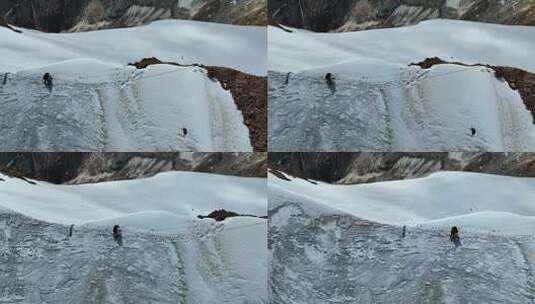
518,79
428,62
145,62
250,94
222,214
523,82
15,174
248,91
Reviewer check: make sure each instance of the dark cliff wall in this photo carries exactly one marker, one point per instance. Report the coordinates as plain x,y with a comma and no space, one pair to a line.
351,15
96,167
352,168
83,15
315,15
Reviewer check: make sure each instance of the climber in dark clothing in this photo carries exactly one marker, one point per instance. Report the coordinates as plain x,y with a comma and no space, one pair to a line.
330,82
47,80
71,230
118,235
287,81
454,236
329,78
184,132
473,130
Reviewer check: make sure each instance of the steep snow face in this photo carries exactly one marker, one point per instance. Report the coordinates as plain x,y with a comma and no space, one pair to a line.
40,264
409,110
204,261
379,103
227,263
99,104
442,199
324,250
161,108
339,258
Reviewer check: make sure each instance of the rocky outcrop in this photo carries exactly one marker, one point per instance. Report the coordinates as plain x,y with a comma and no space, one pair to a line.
222,214
316,15
328,167
84,15
96,167
353,15
244,12
49,16
52,167
3,23
354,168
523,82
250,95
241,164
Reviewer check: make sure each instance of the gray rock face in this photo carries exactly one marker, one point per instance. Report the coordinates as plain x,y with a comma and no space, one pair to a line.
96,167
5,5
83,15
309,14
354,168
352,15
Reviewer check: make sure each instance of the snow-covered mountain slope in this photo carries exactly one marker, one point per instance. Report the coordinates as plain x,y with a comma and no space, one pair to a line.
467,42
379,103
181,195
100,103
438,200
323,249
186,42
205,261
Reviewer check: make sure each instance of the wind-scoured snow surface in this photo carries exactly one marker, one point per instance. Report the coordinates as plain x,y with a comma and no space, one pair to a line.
100,104
343,244
379,103
168,256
